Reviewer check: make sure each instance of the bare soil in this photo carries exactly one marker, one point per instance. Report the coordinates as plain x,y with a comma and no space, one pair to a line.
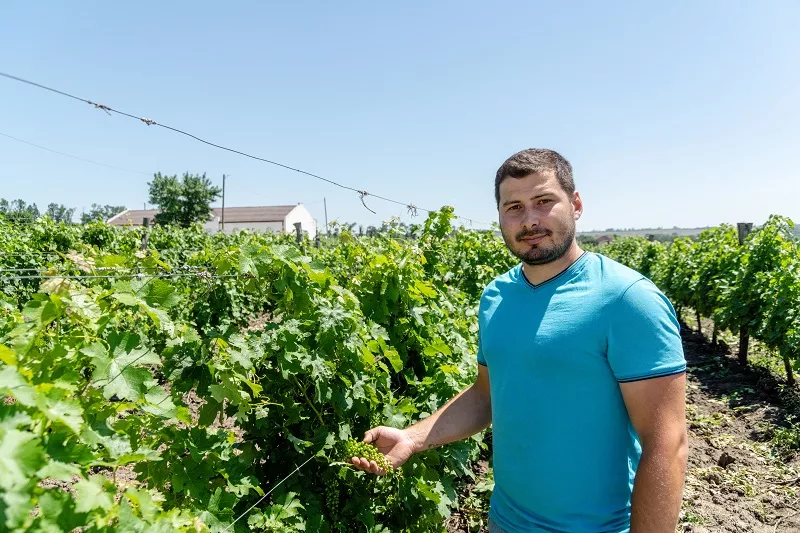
737,480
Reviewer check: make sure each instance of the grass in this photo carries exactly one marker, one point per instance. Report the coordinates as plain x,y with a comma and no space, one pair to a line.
688,516
786,440
705,423
740,481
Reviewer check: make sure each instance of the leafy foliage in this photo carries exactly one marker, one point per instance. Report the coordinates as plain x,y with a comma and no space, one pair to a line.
18,211
207,389
182,201
754,286
211,387
101,213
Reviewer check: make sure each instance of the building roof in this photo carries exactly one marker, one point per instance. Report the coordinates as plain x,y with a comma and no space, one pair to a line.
266,213
133,217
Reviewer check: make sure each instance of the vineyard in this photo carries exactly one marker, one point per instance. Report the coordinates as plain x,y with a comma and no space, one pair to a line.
159,379
751,289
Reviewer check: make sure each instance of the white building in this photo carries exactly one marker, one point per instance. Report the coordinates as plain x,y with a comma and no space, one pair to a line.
273,218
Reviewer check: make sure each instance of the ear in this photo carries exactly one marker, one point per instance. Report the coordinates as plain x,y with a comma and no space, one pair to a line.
577,205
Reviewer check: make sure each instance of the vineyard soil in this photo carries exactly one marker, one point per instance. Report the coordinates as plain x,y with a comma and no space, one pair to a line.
735,482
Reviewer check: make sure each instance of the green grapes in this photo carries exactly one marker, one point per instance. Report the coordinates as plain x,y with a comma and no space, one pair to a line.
332,495
355,448
375,419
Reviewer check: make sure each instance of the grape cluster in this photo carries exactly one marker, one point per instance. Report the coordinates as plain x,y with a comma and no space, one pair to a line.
332,495
355,448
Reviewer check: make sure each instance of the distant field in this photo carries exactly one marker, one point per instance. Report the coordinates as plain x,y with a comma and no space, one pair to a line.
680,232
643,232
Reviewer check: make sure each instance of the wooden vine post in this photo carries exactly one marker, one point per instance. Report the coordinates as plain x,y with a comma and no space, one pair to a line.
145,233
744,334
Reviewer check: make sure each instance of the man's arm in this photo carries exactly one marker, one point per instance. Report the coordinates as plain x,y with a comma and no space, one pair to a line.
467,413
657,408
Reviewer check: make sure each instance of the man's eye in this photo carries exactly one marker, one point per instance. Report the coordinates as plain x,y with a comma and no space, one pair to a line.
545,201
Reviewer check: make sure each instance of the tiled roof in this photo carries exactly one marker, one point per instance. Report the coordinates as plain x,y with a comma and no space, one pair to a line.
134,217
270,213
267,213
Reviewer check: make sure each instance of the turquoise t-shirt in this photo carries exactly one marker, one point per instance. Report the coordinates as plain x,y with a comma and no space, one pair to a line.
565,452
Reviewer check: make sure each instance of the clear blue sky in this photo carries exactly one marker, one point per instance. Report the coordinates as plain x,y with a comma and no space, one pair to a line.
673,113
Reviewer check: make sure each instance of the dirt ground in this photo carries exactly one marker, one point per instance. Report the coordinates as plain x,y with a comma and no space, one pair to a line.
737,480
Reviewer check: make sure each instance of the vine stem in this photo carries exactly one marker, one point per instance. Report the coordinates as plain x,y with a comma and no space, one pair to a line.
308,400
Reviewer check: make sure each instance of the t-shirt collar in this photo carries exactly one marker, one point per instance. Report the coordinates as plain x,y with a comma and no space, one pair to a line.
560,276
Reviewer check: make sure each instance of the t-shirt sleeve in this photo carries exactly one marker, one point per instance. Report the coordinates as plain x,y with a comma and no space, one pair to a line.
481,357
644,338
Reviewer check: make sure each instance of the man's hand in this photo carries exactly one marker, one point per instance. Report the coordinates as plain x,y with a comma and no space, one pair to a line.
469,412
394,443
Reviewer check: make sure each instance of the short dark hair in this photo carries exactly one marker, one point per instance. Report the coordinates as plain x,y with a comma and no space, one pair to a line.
533,160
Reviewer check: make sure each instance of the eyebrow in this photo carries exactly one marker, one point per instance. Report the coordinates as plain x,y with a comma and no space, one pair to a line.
509,202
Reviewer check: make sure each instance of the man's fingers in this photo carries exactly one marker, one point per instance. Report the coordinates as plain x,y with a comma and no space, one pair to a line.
368,466
360,463
371,435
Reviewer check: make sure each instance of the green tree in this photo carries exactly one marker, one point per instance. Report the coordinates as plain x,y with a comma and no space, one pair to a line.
183,201
60,213
18,211
101,212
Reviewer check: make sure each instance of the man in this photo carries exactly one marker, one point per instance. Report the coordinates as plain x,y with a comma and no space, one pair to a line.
581,374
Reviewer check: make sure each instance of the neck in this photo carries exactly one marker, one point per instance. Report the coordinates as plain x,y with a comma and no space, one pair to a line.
537,274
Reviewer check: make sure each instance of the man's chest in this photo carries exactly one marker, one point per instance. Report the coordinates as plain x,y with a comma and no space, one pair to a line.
545,334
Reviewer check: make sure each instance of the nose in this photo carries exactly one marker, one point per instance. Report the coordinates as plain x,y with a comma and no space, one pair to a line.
530,218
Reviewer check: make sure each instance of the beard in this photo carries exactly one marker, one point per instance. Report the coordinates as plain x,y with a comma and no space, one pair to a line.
540,253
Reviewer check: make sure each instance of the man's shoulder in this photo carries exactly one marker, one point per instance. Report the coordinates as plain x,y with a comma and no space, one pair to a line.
627,290
614,277
501,283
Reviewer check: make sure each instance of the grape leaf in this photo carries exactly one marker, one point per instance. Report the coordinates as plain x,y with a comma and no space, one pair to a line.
117,372
14,508
7,355
67,412
20,457
158,293
91,494
59,471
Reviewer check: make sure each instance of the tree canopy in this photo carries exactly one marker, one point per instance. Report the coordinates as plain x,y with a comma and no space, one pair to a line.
182,201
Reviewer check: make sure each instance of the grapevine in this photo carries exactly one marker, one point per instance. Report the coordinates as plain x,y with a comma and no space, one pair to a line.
279,351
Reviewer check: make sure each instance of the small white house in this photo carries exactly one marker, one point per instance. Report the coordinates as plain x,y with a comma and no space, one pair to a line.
274,218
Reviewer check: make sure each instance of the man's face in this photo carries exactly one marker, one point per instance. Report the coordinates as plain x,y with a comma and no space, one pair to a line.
537,217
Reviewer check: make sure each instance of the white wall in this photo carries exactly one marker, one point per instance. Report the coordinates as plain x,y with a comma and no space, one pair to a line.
213,226
231,227
307,223
298,214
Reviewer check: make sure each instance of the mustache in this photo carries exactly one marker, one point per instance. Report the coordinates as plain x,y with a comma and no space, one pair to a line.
532,233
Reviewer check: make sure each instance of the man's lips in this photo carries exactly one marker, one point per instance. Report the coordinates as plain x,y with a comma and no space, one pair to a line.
533,239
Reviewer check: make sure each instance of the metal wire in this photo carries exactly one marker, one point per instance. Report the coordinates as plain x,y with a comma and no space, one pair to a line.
72,156
200,275
268,493
151,122
140,269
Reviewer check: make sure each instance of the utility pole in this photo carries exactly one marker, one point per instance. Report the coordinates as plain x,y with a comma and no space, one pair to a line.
325,203
223,204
